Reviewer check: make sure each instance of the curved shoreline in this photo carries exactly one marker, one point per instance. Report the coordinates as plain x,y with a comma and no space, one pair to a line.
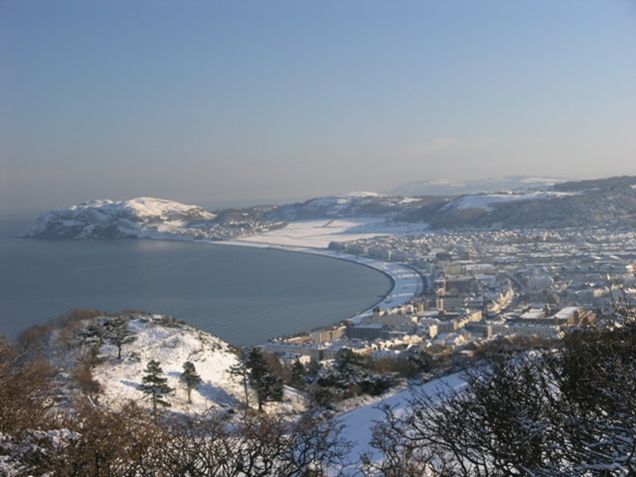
406,283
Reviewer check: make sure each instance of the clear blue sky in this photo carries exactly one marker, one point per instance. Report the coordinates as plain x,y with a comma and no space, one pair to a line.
211,101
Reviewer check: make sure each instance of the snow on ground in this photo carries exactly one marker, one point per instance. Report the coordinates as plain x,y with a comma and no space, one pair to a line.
141,217
172,346
358,423
319,233
145,207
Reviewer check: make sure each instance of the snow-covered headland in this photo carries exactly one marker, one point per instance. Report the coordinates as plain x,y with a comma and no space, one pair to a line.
150,218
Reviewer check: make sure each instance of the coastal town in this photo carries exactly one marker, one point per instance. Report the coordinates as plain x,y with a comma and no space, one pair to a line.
317,239
456,291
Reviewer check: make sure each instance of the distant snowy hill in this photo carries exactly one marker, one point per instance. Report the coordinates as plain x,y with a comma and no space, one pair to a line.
146,217
140,217
489,202
533,202
448,187
603,202
355,204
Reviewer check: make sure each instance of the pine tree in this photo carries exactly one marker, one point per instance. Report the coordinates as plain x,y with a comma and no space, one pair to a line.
418,361
240,371
155,386
93,334
268,386
189,378
297,379
313,369
349,366
119,334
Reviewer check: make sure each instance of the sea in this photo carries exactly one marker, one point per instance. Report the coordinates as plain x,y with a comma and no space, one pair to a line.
243,295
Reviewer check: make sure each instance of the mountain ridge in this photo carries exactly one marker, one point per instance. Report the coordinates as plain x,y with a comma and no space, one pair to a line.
599,202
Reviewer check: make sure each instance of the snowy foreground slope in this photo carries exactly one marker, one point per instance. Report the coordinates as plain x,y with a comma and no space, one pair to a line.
171,346
171,343
358,423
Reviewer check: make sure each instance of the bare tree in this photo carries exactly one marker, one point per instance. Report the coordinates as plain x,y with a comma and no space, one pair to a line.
262,445
26,389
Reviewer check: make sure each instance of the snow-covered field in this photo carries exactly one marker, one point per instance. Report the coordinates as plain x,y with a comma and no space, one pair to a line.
319,233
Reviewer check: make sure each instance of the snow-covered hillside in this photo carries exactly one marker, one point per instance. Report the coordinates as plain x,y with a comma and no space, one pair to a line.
602,202
140,217
489,201
354,204
171,343
358,423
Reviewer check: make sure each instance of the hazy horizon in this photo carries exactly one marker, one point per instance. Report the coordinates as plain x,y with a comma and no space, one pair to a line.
239,103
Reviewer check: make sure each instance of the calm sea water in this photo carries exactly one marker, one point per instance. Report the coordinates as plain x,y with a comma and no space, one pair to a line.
241,294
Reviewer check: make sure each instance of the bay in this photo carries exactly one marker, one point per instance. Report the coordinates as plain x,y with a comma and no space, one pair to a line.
243,295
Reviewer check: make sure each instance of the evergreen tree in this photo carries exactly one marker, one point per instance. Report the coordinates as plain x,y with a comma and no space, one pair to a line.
119,334
418,361
313,370
268,386
189,378
240,371
93,334
350,367
297,379
155,386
